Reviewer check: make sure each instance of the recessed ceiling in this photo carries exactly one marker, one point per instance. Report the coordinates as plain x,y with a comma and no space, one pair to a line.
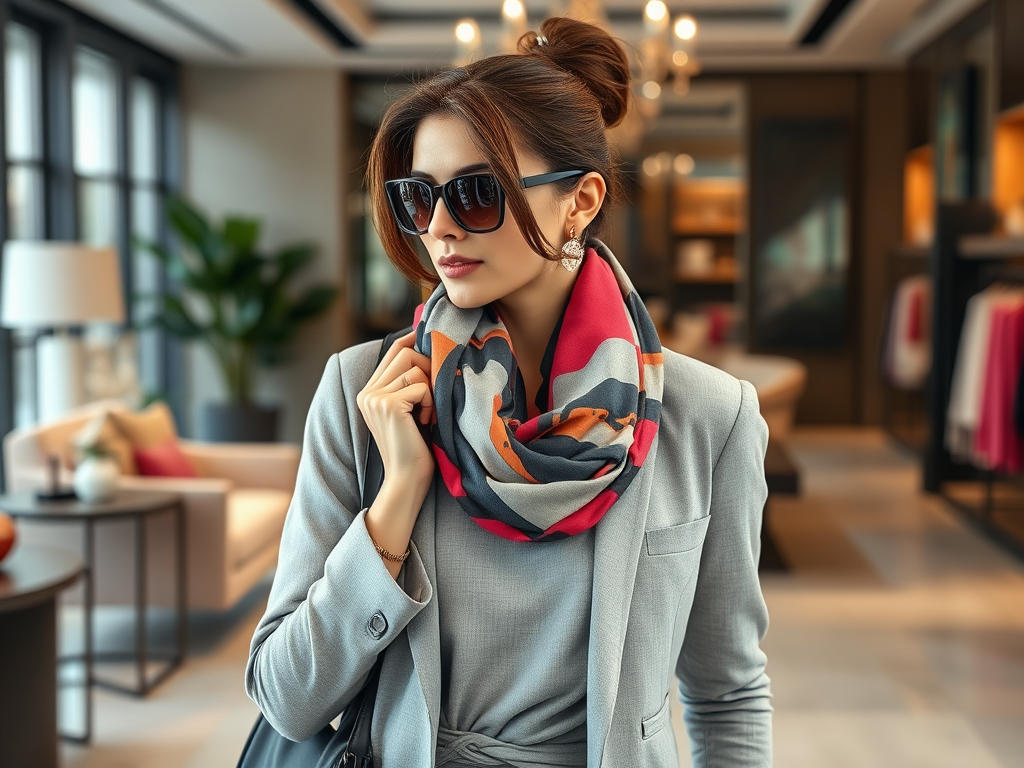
387,36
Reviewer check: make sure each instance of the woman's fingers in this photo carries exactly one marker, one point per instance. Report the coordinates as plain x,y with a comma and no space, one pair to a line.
402,342
405,360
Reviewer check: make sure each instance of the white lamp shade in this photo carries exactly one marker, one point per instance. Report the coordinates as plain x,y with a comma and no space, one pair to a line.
46,283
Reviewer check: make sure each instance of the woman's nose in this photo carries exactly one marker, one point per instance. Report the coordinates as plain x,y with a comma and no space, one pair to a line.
442,225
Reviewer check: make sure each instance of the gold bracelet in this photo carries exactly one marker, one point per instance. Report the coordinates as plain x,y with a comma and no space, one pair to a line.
388,555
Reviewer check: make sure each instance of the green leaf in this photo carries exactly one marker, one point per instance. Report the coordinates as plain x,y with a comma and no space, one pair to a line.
155,250
293,258
313,302
188,222
177,320
241,233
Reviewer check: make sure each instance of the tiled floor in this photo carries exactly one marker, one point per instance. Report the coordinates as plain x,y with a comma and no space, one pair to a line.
897,639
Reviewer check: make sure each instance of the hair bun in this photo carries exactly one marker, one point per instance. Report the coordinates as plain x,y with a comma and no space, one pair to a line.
591,54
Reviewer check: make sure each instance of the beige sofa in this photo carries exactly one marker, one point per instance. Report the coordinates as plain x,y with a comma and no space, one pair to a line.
234,510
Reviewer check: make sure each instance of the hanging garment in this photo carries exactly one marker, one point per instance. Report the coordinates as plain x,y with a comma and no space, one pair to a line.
997,445
908,341
964,409
1019,410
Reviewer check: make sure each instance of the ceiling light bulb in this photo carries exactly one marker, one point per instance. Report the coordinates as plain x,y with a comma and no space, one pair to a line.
683,164
680,58
651,165
651,90
513,9
686,27
656,10
466,31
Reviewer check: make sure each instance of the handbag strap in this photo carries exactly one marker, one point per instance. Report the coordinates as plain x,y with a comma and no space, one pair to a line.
359,750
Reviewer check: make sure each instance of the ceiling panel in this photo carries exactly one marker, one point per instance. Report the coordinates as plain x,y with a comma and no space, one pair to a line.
401,35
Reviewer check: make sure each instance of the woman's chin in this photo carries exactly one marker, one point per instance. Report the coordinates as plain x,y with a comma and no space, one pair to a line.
467,299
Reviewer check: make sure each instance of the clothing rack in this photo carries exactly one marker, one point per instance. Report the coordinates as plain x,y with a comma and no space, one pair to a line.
979,494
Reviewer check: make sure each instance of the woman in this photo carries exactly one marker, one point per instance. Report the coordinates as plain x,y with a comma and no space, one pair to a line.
570,514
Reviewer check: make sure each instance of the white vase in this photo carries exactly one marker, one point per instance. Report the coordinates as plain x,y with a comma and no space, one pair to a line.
96,478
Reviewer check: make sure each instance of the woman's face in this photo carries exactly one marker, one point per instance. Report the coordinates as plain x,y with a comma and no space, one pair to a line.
505,263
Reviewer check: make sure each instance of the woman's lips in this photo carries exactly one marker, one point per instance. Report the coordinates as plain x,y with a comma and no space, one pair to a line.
457,266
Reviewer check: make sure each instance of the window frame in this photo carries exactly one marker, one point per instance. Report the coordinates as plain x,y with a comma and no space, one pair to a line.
62,30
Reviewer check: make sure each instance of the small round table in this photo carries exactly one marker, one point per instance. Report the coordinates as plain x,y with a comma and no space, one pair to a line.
136,505
30,579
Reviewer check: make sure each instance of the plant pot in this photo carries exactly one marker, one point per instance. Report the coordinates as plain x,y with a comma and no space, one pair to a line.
238,423
96,478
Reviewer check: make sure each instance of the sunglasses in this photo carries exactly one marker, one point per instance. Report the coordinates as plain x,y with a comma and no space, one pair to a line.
476,201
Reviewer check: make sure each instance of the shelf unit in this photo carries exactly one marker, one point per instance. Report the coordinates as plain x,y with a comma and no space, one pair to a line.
711,210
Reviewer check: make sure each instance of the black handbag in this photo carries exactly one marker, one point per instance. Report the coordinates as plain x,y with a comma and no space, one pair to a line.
349,746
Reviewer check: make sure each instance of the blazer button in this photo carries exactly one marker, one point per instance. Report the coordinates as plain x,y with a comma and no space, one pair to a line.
377,625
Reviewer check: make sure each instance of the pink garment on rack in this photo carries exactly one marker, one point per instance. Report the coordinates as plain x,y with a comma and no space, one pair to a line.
996,443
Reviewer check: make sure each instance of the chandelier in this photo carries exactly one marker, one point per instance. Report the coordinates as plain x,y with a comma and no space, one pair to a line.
668,52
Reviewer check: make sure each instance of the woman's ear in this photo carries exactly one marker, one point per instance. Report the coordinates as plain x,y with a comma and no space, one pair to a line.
586,200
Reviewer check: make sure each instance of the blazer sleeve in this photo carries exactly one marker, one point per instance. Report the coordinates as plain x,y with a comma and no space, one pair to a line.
721,668
315,645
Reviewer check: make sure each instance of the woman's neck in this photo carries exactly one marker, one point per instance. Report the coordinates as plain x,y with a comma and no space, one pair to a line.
530,315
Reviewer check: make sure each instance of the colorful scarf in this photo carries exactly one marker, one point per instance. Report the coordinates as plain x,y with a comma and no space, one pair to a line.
553,475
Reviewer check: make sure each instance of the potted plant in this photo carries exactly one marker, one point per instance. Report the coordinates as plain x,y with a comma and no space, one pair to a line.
238,302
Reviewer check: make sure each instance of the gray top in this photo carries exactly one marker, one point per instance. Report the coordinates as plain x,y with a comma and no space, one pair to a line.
501,604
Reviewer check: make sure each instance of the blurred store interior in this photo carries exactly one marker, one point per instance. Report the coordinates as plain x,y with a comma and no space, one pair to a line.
825,198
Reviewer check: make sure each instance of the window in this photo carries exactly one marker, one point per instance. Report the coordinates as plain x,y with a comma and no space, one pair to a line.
23,112
88,155
24,123
147,203
96,140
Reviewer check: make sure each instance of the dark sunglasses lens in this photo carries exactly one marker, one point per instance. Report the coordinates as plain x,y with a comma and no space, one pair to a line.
411,203
476,201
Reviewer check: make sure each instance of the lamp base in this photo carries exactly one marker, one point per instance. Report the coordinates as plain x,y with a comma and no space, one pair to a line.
62,494
60,386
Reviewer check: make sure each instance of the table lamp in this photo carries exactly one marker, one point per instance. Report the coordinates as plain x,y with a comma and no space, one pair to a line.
47,284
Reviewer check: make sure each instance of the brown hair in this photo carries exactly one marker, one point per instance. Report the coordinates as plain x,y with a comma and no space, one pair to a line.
554,99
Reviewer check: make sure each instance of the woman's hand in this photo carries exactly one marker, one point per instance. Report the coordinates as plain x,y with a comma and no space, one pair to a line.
395,402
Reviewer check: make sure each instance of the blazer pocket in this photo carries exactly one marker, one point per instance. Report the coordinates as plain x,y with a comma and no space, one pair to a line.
677,538
652,725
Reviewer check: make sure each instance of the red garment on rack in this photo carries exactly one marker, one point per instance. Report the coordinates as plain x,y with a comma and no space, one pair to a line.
996,442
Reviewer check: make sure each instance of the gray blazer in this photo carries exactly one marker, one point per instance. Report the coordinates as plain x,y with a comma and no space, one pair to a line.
675,590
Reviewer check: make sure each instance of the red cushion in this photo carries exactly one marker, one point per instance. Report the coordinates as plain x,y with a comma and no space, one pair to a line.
164,459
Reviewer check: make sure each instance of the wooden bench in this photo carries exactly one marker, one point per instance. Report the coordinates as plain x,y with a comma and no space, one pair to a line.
782,477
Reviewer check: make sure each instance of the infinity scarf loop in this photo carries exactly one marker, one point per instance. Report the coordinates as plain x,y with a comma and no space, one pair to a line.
550,476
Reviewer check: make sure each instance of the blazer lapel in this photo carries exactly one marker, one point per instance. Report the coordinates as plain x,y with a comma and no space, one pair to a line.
618,539
424,630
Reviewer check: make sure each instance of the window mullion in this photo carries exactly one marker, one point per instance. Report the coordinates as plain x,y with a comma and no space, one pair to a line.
58,72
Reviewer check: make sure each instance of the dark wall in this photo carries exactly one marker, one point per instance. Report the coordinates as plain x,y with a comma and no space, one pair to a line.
1010,46
843,382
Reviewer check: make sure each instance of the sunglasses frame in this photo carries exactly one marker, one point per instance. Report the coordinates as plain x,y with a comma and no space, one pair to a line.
440,192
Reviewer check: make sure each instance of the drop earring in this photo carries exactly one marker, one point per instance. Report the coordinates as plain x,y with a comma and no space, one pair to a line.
572,252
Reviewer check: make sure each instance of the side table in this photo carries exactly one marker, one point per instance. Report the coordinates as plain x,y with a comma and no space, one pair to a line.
135,505
30,580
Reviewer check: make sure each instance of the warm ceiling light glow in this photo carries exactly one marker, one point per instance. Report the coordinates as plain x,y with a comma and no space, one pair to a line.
683,165
651,90
651,165
513,9
656,10
680,58
465,31
686,27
